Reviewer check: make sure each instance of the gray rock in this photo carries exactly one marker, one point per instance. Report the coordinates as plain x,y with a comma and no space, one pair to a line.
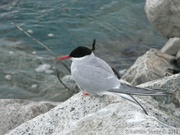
152,65
122,72
107,115
172,46
170,104
164,16
14,112
178,58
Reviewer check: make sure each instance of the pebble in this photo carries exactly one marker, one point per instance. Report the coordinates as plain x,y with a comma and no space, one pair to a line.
34,86
50,35
8,77
11,53
34,52
30,31
49,71
43,68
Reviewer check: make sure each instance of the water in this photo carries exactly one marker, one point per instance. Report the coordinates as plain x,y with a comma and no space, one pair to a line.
120,28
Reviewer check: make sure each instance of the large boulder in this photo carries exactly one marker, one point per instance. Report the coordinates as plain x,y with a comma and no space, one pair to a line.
107,115
14,112
164,16
152,65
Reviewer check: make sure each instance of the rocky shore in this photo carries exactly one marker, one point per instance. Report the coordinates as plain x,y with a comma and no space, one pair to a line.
106,115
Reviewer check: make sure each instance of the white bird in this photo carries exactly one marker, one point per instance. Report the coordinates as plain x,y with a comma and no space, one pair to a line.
96,77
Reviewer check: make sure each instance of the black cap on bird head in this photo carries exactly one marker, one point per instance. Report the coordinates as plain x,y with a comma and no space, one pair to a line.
80,51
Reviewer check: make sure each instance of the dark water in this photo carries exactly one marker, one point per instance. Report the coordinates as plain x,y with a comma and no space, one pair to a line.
120,28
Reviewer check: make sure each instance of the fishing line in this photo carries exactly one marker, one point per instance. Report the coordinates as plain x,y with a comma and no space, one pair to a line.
58,73
43,45
38,42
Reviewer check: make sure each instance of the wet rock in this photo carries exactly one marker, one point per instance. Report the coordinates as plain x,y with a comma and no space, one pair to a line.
20,70
164,16
152,65
14,112
95,115
44,68
172,46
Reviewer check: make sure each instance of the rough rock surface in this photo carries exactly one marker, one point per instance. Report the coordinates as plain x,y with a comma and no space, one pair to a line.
170,84
152,65
164,16
14,112
106,115
172,46
178,58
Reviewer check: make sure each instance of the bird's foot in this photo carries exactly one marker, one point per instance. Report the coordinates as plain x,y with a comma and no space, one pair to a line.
85,94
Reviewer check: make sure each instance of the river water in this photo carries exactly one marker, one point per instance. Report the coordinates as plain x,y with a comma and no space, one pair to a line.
120,27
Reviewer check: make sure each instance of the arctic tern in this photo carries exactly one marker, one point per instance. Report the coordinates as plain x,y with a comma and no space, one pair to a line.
94,76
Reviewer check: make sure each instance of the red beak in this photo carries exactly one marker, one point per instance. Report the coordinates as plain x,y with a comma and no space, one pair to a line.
64,57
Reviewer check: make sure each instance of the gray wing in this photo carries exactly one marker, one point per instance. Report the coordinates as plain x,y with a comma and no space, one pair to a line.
94,79
102,64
